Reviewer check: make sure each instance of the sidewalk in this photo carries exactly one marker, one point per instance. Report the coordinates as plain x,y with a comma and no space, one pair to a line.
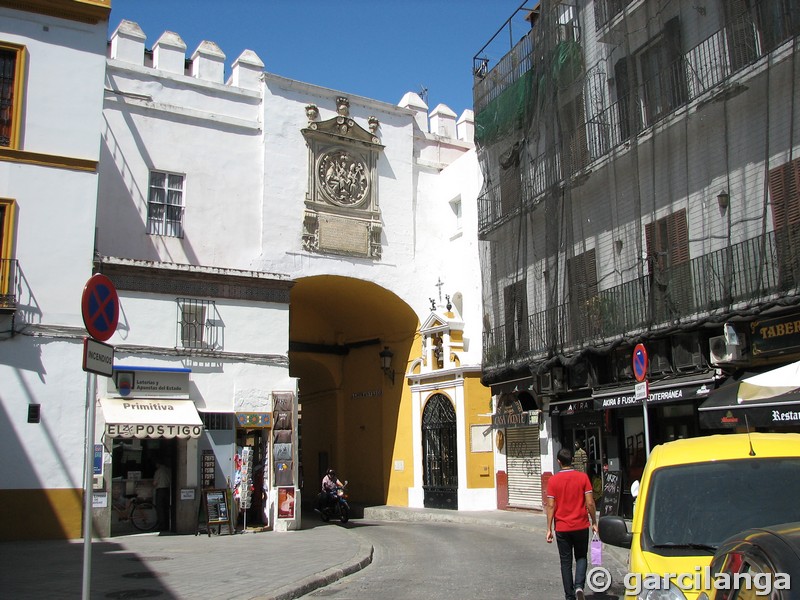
269,565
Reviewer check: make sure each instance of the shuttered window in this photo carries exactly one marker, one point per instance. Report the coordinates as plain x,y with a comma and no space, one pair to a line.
783,186
670,270
582,277
668,241
784,183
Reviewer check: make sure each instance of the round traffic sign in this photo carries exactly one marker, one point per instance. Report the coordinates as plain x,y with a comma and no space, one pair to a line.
100,307
639,362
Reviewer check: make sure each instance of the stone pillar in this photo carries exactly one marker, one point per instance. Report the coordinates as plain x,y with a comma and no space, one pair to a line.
169,53
127,43
208,63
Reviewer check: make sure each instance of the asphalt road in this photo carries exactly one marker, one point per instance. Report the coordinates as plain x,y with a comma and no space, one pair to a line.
449,561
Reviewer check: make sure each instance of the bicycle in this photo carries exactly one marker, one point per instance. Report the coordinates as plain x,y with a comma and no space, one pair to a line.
141,513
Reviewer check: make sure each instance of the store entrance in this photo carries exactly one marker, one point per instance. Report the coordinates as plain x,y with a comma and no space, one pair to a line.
588,438
133,464
258,442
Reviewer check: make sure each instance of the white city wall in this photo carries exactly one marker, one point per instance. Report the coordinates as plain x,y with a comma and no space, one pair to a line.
245,200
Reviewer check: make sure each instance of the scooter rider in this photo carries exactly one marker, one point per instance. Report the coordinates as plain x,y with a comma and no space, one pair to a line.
330,486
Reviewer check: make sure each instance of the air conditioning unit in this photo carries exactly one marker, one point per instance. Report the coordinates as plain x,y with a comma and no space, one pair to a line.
659,355
545,383
686,353
721,351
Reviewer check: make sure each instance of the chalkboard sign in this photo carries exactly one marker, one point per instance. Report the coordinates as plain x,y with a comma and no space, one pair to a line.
215,507
612,489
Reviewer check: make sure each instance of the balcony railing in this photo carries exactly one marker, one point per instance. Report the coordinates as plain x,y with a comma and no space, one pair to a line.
745,272
8,283
703,68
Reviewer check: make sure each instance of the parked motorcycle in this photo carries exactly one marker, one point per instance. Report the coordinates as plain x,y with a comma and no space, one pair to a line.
338,508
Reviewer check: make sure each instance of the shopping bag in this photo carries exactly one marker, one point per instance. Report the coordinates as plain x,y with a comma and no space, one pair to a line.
597,550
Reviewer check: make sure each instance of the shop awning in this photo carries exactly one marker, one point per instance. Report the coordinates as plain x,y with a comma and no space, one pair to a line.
723,410
774,383
673,389
150,418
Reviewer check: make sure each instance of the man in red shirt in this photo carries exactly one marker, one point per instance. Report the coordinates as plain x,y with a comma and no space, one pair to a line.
570,503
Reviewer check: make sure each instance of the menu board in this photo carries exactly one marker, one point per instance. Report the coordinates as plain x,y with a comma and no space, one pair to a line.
215,505
612,488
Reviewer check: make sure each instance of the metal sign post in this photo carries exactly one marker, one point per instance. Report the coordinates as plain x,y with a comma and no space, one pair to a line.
640,372
88,468
100,311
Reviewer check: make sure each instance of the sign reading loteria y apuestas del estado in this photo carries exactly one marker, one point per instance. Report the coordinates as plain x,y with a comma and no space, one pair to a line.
148,382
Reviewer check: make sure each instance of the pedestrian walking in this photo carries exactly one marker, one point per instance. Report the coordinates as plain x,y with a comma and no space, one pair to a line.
570,508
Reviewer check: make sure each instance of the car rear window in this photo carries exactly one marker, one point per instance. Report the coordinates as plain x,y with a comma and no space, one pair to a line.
704,503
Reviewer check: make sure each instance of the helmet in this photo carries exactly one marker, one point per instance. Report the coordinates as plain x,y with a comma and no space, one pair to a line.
331,473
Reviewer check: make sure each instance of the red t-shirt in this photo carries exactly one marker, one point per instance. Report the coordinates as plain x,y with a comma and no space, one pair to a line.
569,487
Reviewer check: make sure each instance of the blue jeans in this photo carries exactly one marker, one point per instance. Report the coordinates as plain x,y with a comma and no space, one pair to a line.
573,543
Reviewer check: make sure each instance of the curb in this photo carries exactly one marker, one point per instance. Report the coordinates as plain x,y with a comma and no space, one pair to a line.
361,559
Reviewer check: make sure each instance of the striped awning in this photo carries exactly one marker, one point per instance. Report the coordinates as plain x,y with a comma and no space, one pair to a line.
151,418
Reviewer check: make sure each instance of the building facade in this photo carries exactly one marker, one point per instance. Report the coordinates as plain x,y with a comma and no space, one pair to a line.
49,155
638,189
278,250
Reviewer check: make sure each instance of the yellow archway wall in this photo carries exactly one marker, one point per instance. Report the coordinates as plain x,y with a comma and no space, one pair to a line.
352,415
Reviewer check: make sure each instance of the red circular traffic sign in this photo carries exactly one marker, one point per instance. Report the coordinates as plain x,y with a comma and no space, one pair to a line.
639,362
100,307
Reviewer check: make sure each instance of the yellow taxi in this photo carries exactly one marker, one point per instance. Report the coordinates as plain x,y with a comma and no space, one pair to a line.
695,493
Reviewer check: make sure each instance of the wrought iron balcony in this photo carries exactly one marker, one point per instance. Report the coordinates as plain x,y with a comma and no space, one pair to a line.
8,284
715,283
697,76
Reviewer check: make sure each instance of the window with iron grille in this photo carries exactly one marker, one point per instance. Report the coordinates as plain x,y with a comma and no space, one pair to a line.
165,204
197,324
218,421
11,78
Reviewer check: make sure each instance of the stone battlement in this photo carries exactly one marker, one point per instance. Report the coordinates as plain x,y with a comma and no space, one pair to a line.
207,63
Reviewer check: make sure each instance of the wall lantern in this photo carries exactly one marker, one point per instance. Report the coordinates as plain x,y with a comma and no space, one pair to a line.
386,363
723,198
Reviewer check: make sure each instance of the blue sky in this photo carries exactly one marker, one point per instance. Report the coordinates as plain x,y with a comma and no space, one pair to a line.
375,48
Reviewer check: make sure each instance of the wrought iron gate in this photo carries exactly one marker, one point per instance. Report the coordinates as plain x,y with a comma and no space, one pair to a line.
440,453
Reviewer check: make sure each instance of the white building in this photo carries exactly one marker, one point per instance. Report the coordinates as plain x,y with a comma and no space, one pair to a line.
52,64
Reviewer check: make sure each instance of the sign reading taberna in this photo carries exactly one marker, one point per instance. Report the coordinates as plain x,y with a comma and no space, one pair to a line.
148,382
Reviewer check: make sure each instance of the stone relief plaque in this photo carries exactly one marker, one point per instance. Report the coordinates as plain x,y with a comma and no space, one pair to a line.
343,236
342,214
342,178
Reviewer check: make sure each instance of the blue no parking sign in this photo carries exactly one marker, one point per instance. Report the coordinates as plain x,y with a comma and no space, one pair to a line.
639,362
100,307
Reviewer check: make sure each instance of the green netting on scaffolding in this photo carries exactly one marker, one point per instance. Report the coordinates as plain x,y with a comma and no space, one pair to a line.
610,134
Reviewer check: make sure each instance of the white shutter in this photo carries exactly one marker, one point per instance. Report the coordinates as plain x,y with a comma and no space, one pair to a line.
524,464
